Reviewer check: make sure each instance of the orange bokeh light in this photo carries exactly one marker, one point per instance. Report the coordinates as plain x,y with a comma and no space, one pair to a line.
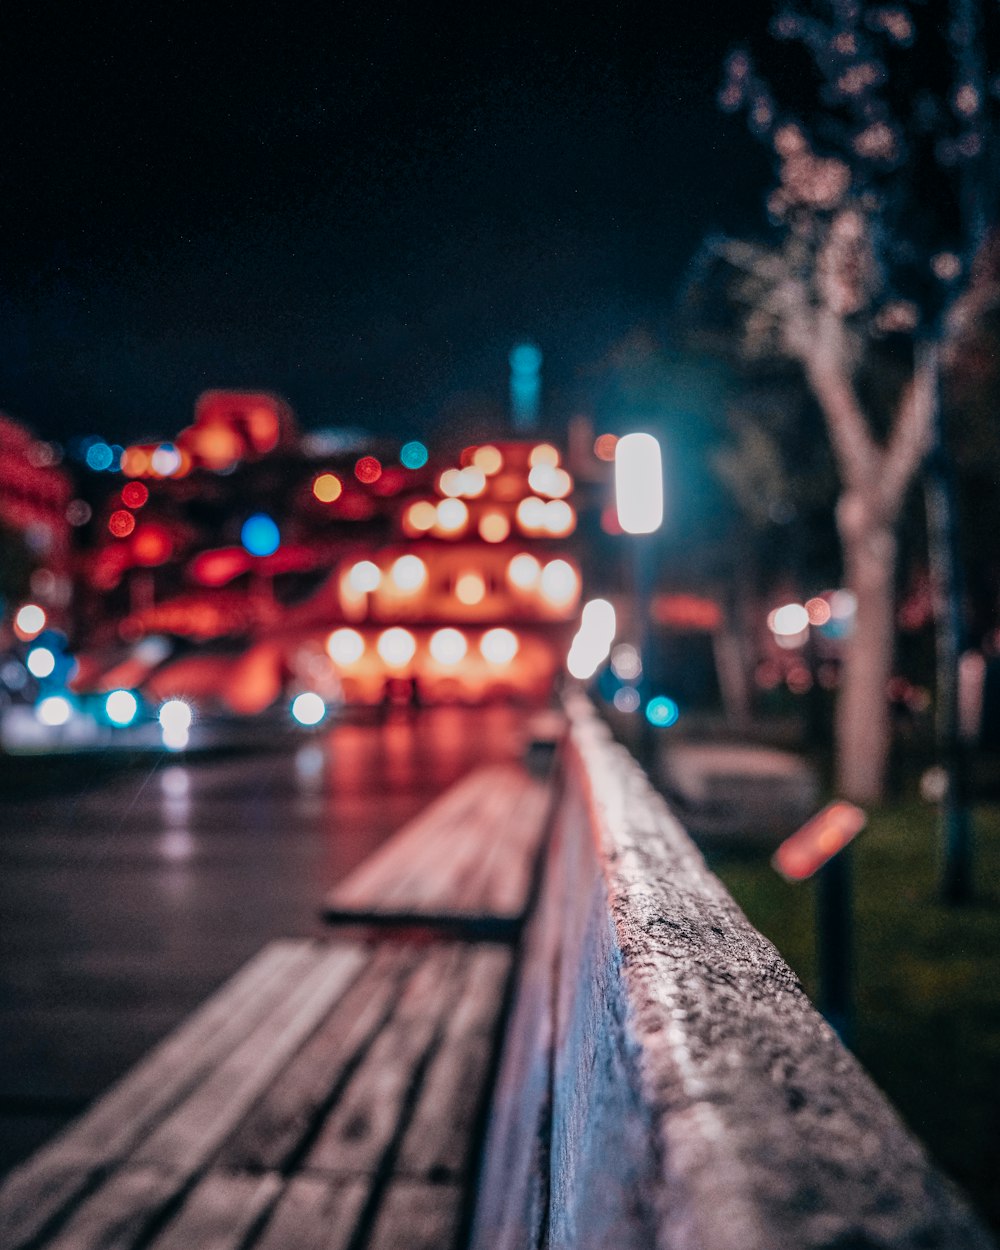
328,487
493,527
135,461
604,446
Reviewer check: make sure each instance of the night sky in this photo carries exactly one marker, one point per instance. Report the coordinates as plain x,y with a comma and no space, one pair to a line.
361,210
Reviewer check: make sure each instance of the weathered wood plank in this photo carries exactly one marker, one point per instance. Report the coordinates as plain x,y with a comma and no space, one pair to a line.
192,1133
277,1125
119,1213
44,1185
476,857
393,861
438,1142
35,1193
416,1216
367,1119
220,1212
315,1213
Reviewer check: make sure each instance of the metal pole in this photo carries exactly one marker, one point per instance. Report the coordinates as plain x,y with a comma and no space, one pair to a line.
833,944
949,641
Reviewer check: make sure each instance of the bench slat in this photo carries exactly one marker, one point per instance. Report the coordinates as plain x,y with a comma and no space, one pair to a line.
119,1213
277,1125
315,1213
220,1212
193,1132
438,1140
418,1216
473,856
39,1189
366,1119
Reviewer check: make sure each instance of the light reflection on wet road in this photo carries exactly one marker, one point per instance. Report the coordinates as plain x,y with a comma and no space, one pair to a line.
124,903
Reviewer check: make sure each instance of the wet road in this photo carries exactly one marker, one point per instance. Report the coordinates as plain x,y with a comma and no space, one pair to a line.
123,903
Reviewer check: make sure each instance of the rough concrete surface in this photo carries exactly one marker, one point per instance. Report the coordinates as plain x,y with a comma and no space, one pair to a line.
696,1099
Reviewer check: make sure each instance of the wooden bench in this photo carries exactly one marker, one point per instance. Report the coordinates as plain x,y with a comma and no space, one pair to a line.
331,1094
467,861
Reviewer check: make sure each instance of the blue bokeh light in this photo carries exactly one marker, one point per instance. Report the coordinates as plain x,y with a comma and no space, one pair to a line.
260,535
413,455
526,359
662,712
99,456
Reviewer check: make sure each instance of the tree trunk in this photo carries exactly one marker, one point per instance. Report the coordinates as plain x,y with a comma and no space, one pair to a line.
863,725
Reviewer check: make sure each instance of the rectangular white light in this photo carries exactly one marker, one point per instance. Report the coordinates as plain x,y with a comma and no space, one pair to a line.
639,483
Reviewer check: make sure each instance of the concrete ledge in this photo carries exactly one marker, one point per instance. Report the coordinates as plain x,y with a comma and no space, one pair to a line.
666,1082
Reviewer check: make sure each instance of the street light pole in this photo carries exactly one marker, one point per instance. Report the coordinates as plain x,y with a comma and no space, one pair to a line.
639,503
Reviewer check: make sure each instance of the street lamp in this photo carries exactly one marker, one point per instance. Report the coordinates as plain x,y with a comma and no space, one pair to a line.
639,503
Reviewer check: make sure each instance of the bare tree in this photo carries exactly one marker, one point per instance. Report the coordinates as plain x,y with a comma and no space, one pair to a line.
873,243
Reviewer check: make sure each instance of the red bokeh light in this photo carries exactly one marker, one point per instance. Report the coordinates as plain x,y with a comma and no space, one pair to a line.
121,523
152,545
368,470
135,494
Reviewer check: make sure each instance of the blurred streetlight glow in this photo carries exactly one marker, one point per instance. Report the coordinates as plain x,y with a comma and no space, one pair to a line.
409,573
41,662
308,708
55,710
121,707
498,646
364,576
639,483
345,646
396,646
29,621
448,646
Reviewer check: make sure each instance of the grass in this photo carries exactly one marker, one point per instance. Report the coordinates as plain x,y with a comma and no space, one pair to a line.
927,986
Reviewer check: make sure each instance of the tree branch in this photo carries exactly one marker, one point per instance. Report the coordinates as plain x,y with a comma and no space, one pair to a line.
826,363
910,438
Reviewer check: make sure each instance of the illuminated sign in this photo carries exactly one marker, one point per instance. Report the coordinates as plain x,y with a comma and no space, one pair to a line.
819,839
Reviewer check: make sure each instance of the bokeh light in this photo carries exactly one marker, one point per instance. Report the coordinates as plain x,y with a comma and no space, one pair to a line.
788,620
662,712
40,662
121,707
121,523
498,646
604,449
544,453
448,646
328,487
54,710
524,571
368,470
488,458
560,582
308,708
165,460
29,621
421,516
493,527
134,494
397,646
626,698
413,455
409,573
345,646
452,516
470,588
260,535
364,576
99,456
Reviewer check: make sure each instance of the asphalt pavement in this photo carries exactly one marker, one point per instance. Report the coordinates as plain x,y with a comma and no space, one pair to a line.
125,899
